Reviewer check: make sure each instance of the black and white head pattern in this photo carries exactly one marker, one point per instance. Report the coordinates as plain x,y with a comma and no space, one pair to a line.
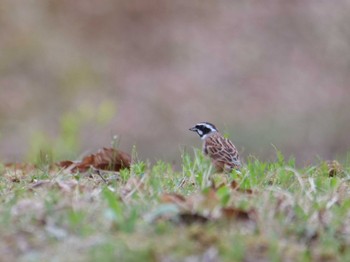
203,129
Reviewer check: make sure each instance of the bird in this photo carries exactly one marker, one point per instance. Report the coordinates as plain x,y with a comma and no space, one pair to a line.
219,149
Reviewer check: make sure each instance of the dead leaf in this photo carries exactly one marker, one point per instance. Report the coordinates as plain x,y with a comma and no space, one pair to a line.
177,199
234,184
236,213
66,164
110,159
105,159
172,198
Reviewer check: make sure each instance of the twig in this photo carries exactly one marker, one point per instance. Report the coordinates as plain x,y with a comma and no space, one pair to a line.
99,173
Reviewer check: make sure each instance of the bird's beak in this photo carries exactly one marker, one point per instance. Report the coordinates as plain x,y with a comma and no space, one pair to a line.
194,129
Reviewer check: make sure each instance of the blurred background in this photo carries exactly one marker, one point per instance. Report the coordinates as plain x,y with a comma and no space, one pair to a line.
73,74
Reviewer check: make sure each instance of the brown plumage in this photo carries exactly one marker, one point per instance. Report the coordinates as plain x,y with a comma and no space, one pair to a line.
219,149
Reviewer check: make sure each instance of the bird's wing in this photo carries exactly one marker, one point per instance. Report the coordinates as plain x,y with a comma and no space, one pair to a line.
221,149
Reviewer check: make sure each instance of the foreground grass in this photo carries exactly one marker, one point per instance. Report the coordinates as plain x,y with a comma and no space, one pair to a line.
272,212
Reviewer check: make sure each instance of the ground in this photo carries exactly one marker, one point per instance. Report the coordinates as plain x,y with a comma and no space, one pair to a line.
265,212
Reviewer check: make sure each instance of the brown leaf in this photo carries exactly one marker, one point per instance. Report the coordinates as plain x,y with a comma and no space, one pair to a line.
234,185
109,158
65,164
177,199
105,159
87,161
172,198
235,213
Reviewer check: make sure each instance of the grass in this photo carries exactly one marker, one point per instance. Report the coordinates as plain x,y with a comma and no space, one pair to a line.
272,212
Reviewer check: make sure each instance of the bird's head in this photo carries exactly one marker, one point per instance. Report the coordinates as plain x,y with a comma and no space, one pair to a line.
203,129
